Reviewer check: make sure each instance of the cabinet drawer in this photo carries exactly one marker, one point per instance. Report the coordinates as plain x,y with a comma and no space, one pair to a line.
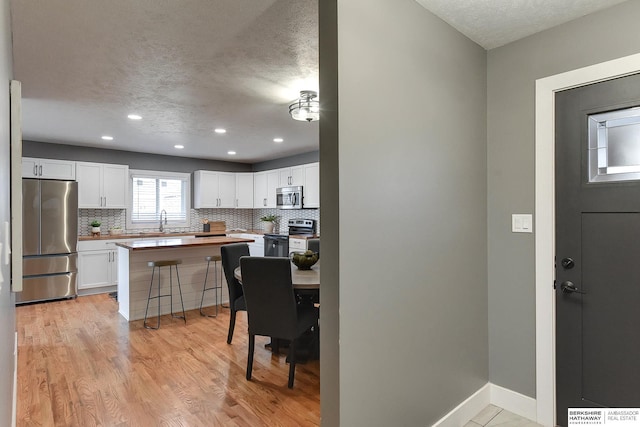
96,245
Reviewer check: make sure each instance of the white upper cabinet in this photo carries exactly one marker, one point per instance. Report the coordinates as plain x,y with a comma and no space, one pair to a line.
264,188
291,176
311,189
48,169
244,190
102,185
214,189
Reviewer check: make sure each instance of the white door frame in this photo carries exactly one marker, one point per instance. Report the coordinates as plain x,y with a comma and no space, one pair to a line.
545,217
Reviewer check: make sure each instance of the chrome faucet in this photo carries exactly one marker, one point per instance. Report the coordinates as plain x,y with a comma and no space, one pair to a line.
165,220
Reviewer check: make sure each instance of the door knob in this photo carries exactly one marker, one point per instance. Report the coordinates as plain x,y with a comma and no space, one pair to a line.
569,288
567,263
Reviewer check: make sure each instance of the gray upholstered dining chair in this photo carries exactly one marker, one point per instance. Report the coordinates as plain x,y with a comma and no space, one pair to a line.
314,245
272,309
231,254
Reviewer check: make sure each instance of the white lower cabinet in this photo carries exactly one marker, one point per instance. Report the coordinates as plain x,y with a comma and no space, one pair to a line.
297,245
256,248
97,264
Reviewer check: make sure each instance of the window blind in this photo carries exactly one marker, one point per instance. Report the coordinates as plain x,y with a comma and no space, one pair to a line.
151,194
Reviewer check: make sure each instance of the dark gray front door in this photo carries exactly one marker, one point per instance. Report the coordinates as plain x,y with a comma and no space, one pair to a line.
598,246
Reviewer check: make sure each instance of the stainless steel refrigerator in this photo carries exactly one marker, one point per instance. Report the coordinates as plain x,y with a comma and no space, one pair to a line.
49,240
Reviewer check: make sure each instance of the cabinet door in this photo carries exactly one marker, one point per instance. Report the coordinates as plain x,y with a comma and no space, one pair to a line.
227,190
205,189
89,177
29,167
114,267
114,185
244,190
48,169
297,175
260,190
94,269
272,183
311,190
57,169
284,177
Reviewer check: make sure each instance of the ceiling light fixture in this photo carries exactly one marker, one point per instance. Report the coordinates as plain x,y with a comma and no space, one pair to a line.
220,130
134,117
278,139
107,138
231,153
306,109
179,147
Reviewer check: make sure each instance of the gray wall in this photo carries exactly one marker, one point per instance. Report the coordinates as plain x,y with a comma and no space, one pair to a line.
329,216
133,159
512,71
146,161
299,159
7,310
412,214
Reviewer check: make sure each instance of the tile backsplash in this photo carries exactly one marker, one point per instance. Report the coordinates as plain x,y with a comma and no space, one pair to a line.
247,219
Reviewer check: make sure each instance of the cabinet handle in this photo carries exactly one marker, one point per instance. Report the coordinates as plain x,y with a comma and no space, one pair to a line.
35,170
105,201
40,170
264,202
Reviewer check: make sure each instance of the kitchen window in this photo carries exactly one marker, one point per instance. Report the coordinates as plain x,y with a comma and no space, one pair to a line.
152,192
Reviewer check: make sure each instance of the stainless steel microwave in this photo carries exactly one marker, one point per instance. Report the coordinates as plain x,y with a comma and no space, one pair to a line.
289,197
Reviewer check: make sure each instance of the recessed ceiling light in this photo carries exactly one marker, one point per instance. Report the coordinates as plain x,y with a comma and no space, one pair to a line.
179,147
220,130
107,138
134,117
278,139
231,153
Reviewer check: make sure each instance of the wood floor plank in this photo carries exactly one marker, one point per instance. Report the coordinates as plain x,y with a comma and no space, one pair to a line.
81,364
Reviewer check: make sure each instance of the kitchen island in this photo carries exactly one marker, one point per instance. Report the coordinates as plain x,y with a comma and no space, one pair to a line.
134,274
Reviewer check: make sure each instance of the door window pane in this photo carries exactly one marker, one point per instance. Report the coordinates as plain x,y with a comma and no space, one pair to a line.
614,145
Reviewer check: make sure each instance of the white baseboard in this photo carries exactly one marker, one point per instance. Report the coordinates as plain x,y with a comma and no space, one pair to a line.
512,401
15,382
468,409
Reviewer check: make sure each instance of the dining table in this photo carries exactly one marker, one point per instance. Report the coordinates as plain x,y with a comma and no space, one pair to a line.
301,279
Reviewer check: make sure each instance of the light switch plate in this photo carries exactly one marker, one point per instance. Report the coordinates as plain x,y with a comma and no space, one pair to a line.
522,223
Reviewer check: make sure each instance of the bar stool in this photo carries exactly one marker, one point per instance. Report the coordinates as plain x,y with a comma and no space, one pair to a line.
159,265
217,284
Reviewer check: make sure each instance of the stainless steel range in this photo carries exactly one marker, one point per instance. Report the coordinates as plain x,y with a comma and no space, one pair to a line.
278,244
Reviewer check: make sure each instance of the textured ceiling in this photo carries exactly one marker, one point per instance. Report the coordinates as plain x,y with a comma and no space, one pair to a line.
493,23
186,67
192,65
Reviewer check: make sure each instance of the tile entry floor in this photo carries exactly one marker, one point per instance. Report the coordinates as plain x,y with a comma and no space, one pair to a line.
492,416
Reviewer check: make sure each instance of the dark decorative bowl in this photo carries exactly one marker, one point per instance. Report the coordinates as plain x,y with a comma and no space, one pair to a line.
304,260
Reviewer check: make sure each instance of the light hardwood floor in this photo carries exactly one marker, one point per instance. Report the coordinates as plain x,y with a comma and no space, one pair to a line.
81,364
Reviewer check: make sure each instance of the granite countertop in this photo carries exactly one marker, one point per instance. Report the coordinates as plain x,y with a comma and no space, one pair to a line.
299,236
147,234
178,242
